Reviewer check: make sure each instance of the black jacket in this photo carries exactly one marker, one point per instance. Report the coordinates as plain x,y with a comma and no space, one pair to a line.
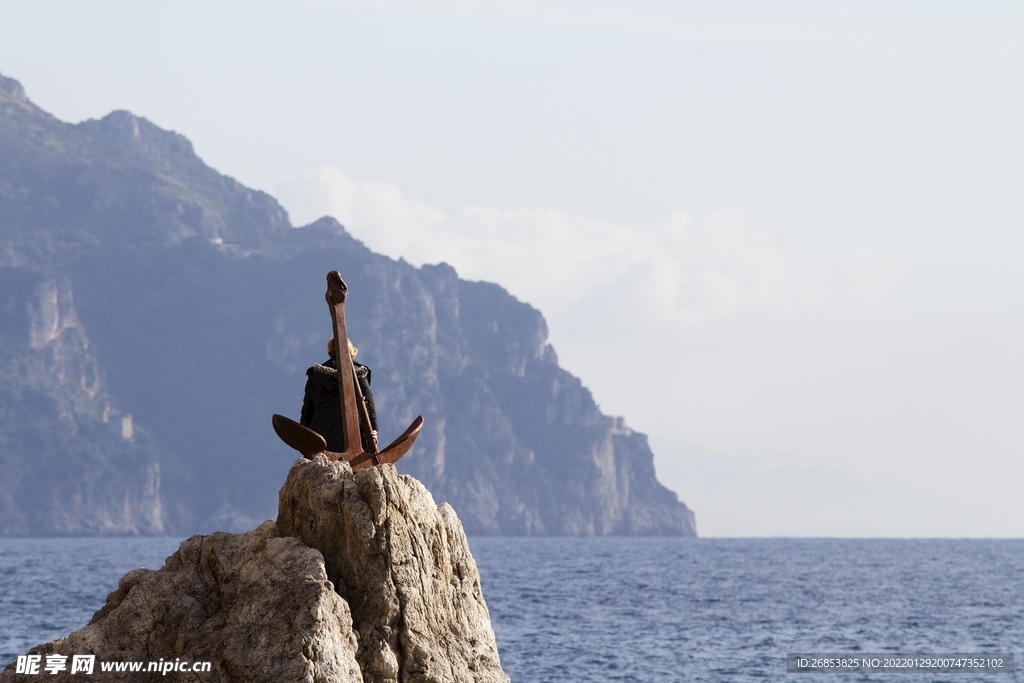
321,406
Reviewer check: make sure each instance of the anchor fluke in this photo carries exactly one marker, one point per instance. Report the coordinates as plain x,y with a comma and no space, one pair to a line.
395,450
301,438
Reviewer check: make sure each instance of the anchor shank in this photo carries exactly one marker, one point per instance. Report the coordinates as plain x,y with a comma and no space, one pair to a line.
337,292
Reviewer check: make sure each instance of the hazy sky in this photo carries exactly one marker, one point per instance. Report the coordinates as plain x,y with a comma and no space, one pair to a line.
792,230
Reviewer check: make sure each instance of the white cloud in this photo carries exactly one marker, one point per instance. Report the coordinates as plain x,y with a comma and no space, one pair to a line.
873,275
717,267
688,270
546,257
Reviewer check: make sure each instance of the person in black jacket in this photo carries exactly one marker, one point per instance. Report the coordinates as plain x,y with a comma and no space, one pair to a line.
321,406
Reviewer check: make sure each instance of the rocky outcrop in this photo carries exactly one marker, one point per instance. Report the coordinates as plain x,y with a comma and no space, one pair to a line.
403,565
257,606
362,578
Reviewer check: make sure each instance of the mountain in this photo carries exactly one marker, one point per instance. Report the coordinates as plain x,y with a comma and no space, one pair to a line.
156,313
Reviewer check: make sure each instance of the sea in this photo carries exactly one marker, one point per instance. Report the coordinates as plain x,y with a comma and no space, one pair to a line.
643,609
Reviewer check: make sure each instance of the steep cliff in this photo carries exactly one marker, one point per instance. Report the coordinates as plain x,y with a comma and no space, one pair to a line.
361,579
70,462
204,307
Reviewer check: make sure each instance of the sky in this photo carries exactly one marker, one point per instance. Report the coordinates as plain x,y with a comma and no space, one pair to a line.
781,238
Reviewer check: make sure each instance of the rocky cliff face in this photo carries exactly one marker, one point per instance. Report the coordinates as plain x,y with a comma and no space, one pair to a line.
554,464
204,307
71,462
361,579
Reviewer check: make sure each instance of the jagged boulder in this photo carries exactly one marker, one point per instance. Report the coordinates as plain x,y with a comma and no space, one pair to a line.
257,606
403,565
361,579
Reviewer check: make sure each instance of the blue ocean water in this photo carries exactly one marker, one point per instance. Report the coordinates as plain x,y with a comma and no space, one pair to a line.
642,609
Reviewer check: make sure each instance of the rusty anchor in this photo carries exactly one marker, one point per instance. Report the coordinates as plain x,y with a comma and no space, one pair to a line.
354,417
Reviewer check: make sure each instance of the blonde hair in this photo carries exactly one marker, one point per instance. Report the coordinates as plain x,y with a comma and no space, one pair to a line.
352,351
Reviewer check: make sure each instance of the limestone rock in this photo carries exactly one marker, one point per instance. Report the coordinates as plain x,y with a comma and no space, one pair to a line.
362,579
404,566
257,606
